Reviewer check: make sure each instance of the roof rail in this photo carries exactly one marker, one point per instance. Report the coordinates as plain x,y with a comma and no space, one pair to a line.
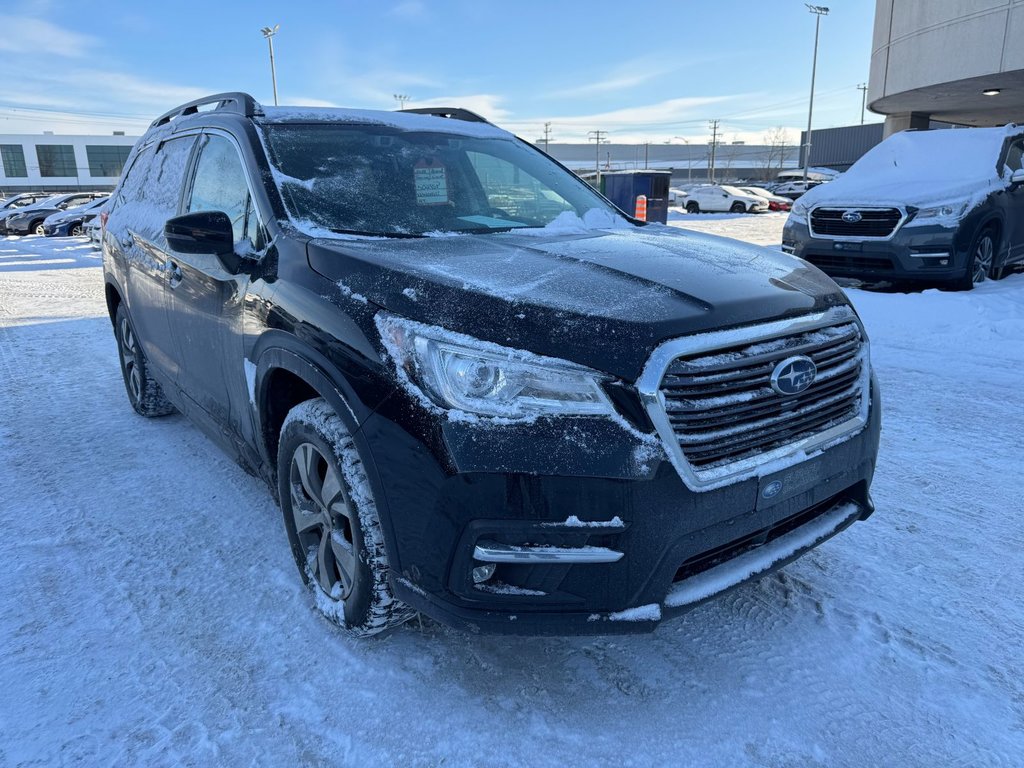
453,113
236,102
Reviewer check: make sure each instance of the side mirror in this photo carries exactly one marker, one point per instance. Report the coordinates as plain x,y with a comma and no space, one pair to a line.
1017,177
204,232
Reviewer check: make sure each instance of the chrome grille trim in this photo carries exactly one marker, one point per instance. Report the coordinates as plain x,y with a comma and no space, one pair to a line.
828,409
854,236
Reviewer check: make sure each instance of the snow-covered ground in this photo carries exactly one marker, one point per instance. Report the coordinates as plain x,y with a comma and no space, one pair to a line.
151,613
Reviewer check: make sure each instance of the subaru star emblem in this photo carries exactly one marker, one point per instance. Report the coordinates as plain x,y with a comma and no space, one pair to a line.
852,217
772,489
793,375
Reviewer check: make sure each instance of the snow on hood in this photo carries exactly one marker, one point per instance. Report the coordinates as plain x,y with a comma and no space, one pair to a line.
406,121
921,168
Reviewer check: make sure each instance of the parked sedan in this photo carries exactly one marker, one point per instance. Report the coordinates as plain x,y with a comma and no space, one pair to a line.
29,220
775,202
724,199
72,221
14,202
794,190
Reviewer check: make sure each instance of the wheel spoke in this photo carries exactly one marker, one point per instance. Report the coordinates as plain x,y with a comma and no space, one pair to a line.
325,572
306,517
307,462
345,559
332,491
136,381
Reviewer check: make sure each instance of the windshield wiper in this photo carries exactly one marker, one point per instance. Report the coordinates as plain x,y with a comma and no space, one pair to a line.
399,235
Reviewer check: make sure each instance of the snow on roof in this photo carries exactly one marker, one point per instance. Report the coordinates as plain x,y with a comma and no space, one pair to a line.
406,121
918,167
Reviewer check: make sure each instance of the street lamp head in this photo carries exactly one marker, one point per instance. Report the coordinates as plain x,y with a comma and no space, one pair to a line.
269,32
821,10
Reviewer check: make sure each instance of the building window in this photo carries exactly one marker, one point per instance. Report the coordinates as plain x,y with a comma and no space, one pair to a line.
106,161
13,157
56,160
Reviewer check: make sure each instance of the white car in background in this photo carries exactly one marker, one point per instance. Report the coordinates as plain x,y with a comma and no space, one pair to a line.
724,199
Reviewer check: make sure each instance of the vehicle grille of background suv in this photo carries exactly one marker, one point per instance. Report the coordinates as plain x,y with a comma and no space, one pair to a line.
724,413
874,222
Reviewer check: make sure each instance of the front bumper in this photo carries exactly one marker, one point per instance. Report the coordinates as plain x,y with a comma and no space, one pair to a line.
17,227
57,230
458,497
917,253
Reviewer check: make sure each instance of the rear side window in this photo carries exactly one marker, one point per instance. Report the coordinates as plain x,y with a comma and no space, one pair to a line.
1014,156
151,191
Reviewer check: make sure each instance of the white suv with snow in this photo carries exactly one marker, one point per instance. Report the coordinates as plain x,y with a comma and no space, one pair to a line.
724,199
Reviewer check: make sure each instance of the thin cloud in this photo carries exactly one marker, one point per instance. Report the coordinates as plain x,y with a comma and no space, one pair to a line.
26,35
630,74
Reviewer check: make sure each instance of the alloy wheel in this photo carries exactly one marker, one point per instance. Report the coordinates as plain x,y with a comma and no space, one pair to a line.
77,231
130,356
39,230
984,252
323,515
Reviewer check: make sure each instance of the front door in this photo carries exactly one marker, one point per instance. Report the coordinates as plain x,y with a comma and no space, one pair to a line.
208,301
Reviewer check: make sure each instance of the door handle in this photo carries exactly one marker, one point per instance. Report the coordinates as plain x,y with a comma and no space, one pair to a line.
175,272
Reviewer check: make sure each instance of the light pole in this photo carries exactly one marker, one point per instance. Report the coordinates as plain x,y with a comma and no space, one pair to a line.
269,34
818,11
863,88
401,98
689,165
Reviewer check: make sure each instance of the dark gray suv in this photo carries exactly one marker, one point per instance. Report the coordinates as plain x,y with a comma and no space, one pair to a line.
941,207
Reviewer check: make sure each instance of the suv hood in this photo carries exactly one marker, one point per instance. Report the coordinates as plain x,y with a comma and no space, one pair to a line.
899,193
603,299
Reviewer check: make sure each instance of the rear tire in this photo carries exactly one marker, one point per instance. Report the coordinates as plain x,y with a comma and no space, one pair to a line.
737,207
692,207
331,519
144,392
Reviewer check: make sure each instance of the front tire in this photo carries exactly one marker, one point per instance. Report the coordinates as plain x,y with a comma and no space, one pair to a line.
737,207
37,228
980,260
331,519
76,230
144,392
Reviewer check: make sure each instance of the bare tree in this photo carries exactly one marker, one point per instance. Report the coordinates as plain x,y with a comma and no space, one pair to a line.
774,159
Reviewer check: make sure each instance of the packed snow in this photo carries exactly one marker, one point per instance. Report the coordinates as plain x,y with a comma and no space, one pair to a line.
152,613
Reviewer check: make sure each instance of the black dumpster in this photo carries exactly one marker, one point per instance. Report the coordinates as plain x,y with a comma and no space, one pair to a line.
623,188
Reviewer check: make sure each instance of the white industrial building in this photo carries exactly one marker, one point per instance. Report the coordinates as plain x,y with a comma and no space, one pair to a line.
48,162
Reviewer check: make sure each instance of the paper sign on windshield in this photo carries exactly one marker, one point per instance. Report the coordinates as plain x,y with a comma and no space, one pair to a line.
431,181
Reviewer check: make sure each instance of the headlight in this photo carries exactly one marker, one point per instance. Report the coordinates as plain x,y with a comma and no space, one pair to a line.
460,373
798,212
934,214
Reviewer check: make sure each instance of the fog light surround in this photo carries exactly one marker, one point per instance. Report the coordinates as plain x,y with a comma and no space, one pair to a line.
483,572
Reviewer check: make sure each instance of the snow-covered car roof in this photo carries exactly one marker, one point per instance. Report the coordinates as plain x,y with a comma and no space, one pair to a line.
406,121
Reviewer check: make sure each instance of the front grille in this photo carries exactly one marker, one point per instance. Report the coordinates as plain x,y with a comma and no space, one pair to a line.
874,222
842,262
722,408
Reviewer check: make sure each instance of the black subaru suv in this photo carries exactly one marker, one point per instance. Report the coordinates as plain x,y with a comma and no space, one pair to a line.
478,389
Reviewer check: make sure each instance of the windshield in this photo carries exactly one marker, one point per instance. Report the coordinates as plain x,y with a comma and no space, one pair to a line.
380,180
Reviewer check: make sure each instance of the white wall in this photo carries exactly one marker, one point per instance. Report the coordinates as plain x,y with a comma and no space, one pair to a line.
83,180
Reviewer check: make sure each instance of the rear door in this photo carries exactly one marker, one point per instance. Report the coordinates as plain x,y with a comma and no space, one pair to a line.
136,227
208,301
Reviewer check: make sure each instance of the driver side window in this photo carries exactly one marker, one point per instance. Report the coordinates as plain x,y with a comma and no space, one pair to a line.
1014,156
220,185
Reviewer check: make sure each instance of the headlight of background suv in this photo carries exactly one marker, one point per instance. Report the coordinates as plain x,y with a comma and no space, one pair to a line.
937,214
798,213
465,374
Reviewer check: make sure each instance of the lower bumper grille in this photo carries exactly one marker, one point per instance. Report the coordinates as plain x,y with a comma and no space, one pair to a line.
848,263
